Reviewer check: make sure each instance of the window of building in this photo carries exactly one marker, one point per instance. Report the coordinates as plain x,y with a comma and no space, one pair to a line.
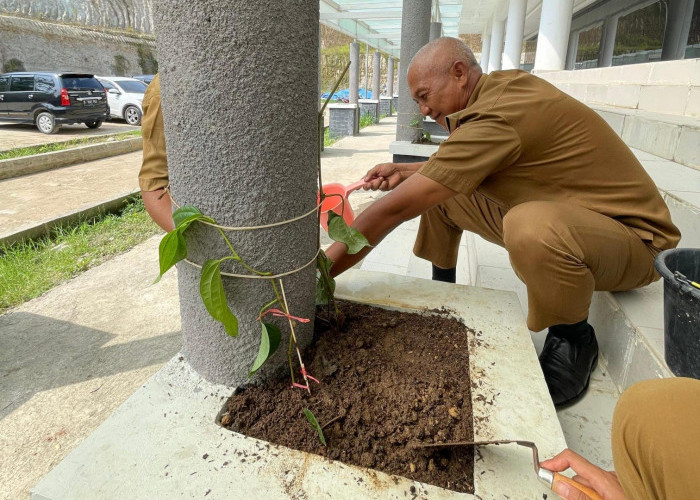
589,47
640,35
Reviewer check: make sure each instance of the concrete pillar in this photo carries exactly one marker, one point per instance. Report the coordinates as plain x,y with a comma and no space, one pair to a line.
485,50
354,72
553,38
680,14
376,70
607,42
497,29
213,166
390,78
366,85
572,51
435,30
514,34
415,31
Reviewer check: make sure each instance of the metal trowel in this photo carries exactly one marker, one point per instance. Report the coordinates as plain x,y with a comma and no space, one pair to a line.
545,475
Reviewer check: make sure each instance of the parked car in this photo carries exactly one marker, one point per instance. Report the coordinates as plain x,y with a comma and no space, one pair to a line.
124,96
144,78
51,99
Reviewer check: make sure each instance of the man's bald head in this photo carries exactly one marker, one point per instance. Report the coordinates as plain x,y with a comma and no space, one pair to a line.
439,55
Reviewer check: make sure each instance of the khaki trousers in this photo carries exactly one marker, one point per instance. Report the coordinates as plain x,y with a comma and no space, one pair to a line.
656,440
561,251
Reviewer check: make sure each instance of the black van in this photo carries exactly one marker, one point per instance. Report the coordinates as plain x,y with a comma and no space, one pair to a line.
51,99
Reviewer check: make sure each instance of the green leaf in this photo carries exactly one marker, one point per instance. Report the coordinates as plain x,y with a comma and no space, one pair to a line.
314,423
338,230
269,342
183,213
212,291
325,285
172,250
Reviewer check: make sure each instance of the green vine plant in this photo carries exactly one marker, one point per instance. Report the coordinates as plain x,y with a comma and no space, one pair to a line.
173,249
424,134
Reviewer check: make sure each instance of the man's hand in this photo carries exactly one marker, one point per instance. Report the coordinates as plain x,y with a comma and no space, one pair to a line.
386,176
601,481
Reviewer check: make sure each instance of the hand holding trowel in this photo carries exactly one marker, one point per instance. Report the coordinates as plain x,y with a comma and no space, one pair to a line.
545,475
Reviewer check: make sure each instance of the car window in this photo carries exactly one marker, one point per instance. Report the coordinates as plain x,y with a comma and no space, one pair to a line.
132,86
81,83
4,83
106,84
22,83
44,83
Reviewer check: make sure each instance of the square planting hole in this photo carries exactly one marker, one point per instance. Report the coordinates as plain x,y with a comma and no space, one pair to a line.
388,380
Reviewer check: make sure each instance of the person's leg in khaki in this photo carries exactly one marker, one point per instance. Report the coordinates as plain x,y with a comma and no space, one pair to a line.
562,252
656,440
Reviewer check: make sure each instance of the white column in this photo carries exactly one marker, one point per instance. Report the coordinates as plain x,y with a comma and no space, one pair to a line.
514,34
497,29
572,51
607,43
485,49
553,37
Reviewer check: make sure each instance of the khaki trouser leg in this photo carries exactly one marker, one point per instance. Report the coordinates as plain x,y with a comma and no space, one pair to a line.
562,252
656,440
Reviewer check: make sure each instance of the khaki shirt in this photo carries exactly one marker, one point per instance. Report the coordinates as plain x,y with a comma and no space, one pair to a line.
154,168
521,139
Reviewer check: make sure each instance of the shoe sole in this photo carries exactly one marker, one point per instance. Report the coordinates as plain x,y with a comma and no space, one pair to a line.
575,399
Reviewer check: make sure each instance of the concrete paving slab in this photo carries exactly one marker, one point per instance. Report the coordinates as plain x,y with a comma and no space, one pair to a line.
14,135
32,200
69,358
164,442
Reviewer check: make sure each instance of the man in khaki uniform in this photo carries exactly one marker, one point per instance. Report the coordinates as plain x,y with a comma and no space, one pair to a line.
535,171
153,177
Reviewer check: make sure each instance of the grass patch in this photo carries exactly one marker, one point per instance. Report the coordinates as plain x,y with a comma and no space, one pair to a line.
31,268
328,139
59,146
366,120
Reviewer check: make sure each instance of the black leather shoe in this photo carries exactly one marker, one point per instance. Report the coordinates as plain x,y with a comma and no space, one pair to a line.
569,356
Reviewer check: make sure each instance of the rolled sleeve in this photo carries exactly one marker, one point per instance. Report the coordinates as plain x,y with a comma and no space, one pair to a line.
154,167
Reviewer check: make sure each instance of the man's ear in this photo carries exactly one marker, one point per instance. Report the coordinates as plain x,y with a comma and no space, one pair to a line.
459,70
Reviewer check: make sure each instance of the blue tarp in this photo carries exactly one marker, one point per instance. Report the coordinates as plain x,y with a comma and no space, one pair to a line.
344,95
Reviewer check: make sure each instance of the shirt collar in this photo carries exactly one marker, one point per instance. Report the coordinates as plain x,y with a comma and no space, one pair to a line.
454,120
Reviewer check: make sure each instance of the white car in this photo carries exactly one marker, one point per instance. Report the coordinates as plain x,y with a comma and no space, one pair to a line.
124,96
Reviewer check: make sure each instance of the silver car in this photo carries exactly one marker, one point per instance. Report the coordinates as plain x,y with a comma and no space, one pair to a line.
124,96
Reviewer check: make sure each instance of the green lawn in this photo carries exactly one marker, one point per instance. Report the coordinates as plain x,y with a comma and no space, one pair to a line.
29,269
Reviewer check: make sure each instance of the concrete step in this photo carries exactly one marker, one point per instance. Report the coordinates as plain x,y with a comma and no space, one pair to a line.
25,165
32,205
671,137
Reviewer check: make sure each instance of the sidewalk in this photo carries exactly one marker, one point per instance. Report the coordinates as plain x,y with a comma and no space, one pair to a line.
14,135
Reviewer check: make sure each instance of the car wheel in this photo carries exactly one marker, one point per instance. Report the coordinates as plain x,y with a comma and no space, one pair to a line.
46,123
132,115
95,124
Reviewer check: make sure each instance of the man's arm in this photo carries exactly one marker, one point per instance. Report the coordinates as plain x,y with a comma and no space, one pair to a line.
158,206
413,197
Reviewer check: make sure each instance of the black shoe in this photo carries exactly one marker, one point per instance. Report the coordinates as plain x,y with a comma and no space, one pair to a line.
569,356
447,275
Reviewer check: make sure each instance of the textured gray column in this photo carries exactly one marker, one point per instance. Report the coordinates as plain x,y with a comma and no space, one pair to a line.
390,77
214,165
376,71
607,42
435,30
680,13
415,30
354,72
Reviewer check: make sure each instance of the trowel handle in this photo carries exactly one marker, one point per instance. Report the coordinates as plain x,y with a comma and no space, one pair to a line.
354,186
583,489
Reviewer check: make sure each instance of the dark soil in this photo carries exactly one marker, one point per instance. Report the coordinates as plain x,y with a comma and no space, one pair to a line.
388,379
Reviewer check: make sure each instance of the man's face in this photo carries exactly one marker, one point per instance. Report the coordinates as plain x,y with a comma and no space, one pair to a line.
438,95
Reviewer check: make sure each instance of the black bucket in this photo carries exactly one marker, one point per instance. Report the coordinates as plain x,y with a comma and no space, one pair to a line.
681,309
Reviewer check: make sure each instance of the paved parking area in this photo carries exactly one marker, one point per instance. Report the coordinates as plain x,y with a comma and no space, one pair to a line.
13,135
